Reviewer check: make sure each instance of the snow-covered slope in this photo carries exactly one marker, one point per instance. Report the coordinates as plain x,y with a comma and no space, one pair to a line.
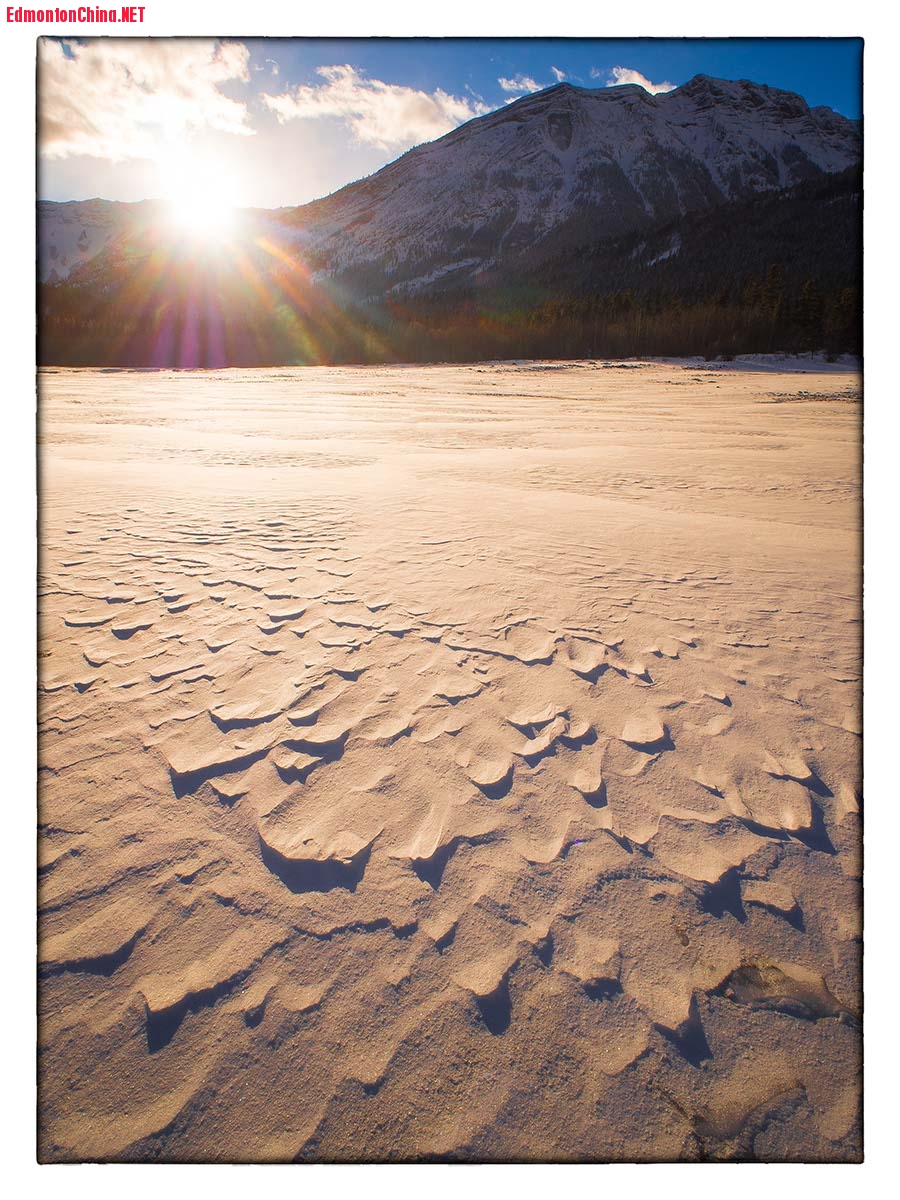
72,233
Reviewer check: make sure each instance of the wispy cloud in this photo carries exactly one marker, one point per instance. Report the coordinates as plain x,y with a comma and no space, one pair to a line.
520,84
124,98
558,75
380,114
628,75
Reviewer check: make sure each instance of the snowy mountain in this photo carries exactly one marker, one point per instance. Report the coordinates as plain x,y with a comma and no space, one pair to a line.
565,165
72,233
533,181
718,218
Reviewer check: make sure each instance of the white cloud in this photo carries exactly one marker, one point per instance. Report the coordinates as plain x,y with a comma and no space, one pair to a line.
627,75
520,83
380,114
558,75
124,98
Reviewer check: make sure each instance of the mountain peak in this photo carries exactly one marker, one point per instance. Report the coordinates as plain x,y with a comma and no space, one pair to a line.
741,91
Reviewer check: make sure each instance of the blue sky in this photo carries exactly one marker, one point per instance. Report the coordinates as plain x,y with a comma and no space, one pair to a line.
822,70
273,122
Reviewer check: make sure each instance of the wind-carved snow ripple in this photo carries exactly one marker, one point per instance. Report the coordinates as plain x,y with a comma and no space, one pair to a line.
337,817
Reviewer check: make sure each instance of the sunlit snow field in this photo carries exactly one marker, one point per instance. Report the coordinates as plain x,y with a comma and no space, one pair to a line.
454,761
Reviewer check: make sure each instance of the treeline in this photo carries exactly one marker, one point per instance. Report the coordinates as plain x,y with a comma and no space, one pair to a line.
174,310
766,314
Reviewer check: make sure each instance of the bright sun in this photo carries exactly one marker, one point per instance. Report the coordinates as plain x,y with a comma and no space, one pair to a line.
200,196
